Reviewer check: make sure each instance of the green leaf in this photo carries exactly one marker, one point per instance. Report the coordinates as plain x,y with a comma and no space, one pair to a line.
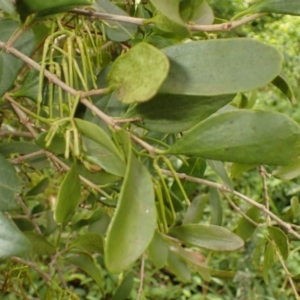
281,241
124,288
12,241
19,147
290,7
288,172
243,136
40,245
175,113
89,266
220,170
7,6
270,259
216,208
238,169
68,196
95,216
133,224
57,145
158,250
168,17
10,185
39,188
209,237
216,67
10,66
194,212
90,241
245,228
284,86
45,8
101,149
145,67
116,31
178,266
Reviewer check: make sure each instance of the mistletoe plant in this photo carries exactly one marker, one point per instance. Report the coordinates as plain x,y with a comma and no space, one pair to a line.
114,118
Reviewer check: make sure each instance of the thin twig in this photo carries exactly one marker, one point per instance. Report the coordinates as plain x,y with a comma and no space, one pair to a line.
142,276
225,189
263,172
139,21
7,133
93,93
29,214
33,266
21,158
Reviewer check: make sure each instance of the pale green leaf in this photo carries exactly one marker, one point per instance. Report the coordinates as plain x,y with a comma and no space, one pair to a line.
145,67
124,288
209,237
243,136
216,67
40,245
288,172
290,7
216,208
132,227
194,212
245,228
179,267
158,250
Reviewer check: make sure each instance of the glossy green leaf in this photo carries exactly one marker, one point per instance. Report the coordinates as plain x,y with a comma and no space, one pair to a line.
45,8
281,240
216,208
209,237
10,66
288,172
116,31
89,266
194,212
179,267
90,242
145,67
217,67
290,7
243,136
40,245
132,227
245,228
270,259
158,250
124,288
175,113
10,185
220,170
38,188
12,241
101,149
68,196
284,86
168,17
57,145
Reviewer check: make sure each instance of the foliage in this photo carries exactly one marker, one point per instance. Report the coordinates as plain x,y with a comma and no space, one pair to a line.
142,155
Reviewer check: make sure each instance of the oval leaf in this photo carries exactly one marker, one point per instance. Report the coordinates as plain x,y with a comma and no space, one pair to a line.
243,136
178,266
209,237
12,241
288,172
281,240
158,250
290,7
133,223
68,196
218,67
159,114
145,67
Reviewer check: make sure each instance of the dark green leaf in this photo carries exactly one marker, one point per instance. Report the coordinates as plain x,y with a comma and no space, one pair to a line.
175,113
10,185
90,241
243,136
124,288
217,67
245,228
12,241
96,216
282,83
133,224
270,259
194,212
38,188
57,145
145,67
216,208
68,196
210,237
281,241
40,245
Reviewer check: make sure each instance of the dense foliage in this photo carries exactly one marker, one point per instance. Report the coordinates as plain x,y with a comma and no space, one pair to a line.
149,149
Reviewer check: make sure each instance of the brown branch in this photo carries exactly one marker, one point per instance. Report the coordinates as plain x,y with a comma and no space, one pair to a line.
8,133
225,189
142,276
139,21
